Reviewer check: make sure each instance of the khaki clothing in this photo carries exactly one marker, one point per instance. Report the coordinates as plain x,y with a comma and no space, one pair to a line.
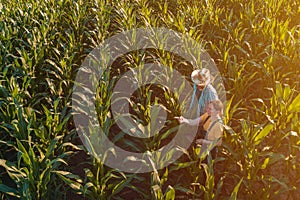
215,132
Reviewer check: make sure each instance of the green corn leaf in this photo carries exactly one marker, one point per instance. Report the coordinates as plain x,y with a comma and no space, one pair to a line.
263,133
22,125
219,188
234,193
69,144
67,178
156,189
265,164
170,193
120,186
51,147
9,190
25,155
168,132
295,105
68,175
286,92
12,171
271,158
281,182
56,161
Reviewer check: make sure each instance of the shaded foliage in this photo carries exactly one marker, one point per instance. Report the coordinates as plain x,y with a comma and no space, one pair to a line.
255,45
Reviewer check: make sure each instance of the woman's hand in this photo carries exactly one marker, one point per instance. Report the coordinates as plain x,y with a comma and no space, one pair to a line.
182,120
200,141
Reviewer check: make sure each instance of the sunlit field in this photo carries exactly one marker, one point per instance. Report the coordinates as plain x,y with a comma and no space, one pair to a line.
255,45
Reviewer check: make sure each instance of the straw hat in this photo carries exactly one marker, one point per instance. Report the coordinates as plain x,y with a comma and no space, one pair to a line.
201,76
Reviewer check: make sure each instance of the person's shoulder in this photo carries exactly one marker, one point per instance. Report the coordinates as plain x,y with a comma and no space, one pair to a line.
205,115
210,87
220,124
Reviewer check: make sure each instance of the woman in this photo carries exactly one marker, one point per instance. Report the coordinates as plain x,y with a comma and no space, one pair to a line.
203,91
214,129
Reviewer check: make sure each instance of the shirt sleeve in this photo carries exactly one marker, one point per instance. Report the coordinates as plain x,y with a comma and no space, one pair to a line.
212,94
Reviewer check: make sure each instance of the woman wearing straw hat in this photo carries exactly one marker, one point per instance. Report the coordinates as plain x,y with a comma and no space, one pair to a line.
203,90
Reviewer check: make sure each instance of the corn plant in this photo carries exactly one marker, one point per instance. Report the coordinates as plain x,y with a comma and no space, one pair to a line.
255,45
32,173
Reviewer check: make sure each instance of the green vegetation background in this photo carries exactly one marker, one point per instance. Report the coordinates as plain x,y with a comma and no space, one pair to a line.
255,44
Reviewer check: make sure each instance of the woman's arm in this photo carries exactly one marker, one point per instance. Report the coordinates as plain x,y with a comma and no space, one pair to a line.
204,141
192,122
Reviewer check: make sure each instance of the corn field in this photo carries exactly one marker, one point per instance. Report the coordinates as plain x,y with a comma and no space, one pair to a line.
255,45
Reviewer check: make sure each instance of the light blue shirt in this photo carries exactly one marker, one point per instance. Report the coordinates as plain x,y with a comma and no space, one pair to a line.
208,94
